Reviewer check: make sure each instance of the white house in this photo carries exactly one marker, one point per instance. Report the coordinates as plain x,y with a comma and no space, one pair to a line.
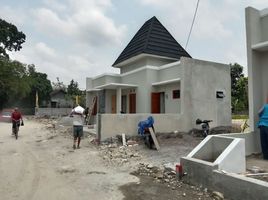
257,55
158,76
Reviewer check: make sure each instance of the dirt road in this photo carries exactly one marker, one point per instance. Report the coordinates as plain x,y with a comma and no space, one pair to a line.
38,167
41,164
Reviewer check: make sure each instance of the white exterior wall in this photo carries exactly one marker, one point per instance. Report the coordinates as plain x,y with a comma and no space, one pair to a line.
145,61
257,52
253,30
171,71
202,80
105,79
167,73
171,105
108,102
132,66
140,78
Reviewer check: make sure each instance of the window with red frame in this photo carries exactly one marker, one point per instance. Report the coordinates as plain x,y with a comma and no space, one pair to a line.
176,94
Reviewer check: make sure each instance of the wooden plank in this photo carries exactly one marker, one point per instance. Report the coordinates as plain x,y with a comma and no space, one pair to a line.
124,139
257,174
154,138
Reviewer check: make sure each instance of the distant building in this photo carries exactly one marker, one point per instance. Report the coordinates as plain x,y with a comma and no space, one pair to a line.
58,99
157,75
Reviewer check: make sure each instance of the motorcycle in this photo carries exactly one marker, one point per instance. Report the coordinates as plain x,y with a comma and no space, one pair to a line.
205,126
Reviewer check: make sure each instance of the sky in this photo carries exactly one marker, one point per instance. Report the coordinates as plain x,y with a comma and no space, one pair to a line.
75,39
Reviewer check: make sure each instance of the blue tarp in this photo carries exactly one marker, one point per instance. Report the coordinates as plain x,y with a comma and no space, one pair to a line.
145,124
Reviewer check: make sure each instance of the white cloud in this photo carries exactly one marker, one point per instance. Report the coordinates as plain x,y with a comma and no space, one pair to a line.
65,65
218,33
7,13
49,22
85,22
89,5
46,52
55,5
210,22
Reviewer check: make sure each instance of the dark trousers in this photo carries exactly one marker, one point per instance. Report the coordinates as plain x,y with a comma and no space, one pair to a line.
264,141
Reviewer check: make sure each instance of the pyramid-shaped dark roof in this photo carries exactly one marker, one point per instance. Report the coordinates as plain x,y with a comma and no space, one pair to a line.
152,38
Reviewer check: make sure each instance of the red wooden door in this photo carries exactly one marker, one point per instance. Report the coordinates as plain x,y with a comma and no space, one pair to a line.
155,102
114,104
132,103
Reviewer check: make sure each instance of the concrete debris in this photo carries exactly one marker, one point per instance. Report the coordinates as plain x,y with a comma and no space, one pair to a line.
131,142
170,167
117,155
167,176
150,166
217,195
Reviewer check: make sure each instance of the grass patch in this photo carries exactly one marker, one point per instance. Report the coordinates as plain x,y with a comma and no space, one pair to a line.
239,116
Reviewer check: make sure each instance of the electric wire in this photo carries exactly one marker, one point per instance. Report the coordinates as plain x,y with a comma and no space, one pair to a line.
192,24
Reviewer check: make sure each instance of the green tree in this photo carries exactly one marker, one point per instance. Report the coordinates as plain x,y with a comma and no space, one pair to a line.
242,94
239,88
39,83
14,83
72,88
236,74
10,38
73,91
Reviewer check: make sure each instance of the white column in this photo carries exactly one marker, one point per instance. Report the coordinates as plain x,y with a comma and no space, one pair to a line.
118,100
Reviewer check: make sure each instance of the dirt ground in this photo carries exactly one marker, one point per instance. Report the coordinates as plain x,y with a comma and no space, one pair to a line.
41,164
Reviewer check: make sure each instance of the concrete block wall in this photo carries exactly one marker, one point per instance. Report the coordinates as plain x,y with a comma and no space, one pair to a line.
202,79
233,157
226,173
210,148
237,187
252,141
110,125
225,152
52,111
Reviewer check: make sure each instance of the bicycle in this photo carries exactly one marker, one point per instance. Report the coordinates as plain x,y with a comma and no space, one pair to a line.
16,128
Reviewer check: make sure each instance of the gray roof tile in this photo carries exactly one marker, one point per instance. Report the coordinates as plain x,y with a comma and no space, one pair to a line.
152,38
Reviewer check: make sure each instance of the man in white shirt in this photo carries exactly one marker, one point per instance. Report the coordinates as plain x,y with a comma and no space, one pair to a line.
77,128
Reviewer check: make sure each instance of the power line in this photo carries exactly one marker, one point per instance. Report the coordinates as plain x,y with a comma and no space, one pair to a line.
192,24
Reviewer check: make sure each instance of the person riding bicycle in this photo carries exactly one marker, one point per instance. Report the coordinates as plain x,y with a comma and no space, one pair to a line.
16,117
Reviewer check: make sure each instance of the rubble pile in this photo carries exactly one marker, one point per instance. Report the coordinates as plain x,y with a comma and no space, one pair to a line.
167,175
118,139
54,127
116,155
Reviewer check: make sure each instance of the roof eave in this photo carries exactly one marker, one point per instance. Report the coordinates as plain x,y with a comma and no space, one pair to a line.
140,56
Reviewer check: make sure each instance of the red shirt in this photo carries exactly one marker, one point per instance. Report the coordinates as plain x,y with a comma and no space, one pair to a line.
16,115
